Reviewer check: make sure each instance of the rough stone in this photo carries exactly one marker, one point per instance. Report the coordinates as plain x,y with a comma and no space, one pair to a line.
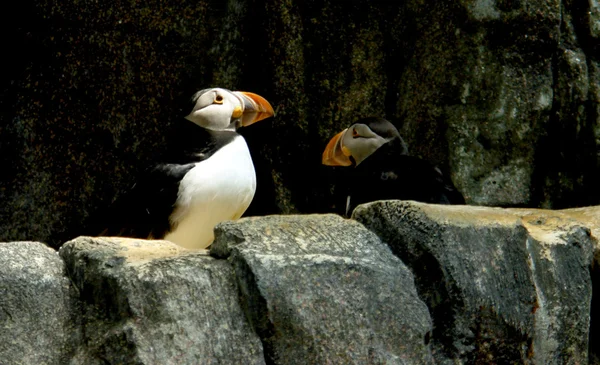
152,302
321,289
502,286
477,98
594,18
595,107
35,307
589,217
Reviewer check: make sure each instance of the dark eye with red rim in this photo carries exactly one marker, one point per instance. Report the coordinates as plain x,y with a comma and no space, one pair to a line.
354,133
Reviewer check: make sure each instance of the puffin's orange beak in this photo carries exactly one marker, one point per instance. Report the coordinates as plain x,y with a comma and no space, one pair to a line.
335,153
256,108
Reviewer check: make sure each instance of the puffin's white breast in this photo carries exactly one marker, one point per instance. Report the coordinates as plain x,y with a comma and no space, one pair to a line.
217,189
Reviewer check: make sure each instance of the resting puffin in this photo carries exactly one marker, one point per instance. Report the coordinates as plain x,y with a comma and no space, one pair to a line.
383,169
205,176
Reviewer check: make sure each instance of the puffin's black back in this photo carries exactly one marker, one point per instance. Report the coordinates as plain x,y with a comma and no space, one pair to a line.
390,173
385,129
144,210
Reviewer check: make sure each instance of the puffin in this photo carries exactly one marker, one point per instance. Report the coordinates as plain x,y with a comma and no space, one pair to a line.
382,168
204,176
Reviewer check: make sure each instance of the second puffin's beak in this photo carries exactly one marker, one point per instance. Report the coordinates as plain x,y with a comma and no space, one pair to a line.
255,108
335,153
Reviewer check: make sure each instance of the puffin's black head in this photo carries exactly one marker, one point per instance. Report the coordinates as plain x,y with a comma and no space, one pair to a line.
222,109
360,140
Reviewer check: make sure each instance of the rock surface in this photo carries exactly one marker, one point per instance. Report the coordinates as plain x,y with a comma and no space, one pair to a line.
320,289
436,284
151,302
36,312
502,285
504,95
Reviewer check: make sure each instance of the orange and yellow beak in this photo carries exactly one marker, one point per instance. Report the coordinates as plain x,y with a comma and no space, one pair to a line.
336,154
255,108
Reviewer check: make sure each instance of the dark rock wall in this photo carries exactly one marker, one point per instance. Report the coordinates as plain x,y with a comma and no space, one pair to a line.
503,95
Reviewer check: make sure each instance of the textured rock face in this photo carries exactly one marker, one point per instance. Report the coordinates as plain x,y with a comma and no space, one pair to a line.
36,312
320,289
151,302
590,217
501,285
479,93
294,290
480,285
503,95
502,92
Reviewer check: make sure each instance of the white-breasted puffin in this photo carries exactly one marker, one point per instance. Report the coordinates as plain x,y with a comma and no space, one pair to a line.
205,176
383,169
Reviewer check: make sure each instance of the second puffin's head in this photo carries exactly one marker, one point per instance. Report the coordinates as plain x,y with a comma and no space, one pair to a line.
357,142
222,109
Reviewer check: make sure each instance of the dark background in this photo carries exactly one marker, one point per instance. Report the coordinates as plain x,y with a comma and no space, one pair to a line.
504,96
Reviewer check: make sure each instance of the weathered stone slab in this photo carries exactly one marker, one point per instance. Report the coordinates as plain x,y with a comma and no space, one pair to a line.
152,302
502,285
320,289
35,323
590,218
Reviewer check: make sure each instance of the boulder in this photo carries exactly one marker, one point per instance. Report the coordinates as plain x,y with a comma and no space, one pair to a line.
401,283
36,323
152,302
502,285
590,218
321,289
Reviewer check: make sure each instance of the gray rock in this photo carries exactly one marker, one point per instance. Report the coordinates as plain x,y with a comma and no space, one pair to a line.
320,289
152,302
590,217
503,286
35,306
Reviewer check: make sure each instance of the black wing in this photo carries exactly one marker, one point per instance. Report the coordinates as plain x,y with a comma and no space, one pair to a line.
144,210
387,175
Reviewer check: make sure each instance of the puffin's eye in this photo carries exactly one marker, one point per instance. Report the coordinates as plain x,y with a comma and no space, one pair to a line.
354,133
218,99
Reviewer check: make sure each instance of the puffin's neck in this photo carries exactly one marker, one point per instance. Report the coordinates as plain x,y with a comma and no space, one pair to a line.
191,141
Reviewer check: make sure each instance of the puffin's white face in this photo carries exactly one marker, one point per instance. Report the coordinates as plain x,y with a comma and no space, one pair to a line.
222,109
358,141
361,141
